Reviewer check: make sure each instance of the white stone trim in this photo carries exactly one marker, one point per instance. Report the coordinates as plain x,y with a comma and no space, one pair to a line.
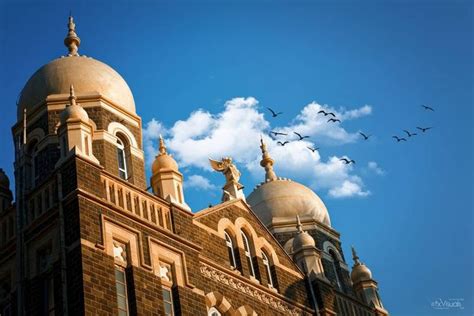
115,127
327,245
112,139
52,105
131,239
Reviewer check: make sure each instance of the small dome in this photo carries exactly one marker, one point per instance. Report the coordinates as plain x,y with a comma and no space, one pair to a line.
282,198
86,74
4,181
360,273
74,112
303,240
164,162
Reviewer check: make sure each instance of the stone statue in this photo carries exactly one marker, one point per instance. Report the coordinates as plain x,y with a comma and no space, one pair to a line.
232,189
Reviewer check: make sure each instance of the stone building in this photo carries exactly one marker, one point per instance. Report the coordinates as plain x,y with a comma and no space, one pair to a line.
84,236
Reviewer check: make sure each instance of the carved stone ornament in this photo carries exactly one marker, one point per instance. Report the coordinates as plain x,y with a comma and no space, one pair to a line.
219,276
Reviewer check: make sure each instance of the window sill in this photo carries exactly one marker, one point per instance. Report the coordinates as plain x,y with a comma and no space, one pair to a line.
235,270
253,279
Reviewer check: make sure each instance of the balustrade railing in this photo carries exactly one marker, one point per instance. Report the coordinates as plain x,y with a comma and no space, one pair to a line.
136,203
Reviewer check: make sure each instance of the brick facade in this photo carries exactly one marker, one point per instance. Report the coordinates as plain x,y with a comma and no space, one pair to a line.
80,240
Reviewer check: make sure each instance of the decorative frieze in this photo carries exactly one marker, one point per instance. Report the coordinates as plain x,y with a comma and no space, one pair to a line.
223,278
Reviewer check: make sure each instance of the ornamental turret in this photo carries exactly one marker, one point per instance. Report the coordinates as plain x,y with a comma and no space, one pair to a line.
365,286
166,180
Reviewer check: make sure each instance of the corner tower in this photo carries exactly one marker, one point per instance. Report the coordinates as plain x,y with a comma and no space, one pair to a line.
166,180
116,136
299,220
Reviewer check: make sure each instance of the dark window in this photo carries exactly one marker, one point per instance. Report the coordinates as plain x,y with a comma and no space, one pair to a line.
122,159
248,254
267,265
230,249
121,287
168,301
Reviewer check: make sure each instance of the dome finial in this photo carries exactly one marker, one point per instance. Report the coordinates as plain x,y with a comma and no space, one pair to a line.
267,162
298,224
72,41
355,257
72,96
162,146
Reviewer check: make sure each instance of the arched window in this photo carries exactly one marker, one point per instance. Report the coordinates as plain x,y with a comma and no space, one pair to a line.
213,312
268,269
122,159
230,249
334,262
248,254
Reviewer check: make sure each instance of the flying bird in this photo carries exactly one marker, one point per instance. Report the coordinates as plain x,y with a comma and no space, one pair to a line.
327,113
282,144
334,120
424,129
429,108
409,134
301,137
278,133
274,114
365,136
399,138
313,149
347,161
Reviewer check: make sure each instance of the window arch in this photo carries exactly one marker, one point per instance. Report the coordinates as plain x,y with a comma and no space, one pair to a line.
122,158
213,312
248,254
268,268
231,250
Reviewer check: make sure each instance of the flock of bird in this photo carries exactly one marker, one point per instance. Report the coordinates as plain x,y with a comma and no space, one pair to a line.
334,119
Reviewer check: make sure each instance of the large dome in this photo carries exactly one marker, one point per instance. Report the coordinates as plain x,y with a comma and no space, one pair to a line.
284,199
86,74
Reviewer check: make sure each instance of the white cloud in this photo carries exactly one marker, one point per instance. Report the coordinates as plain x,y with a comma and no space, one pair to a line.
354,114
233,132
236,132
373,166
310,122
347,189
199,182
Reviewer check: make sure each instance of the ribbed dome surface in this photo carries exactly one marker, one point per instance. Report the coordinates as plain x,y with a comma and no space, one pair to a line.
303,240
360,273
285,199
164,162
86,74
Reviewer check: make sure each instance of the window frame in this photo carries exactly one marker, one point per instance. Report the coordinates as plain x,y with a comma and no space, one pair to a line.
334,260
267,264
171,300
121,270
213,312
231,250
248,254
122,157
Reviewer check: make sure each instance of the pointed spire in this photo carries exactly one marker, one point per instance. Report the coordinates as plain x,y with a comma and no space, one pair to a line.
162,147
267,162
298,224
72,41
355,257
72,96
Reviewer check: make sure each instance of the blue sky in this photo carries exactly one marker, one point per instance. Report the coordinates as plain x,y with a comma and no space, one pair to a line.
411,221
